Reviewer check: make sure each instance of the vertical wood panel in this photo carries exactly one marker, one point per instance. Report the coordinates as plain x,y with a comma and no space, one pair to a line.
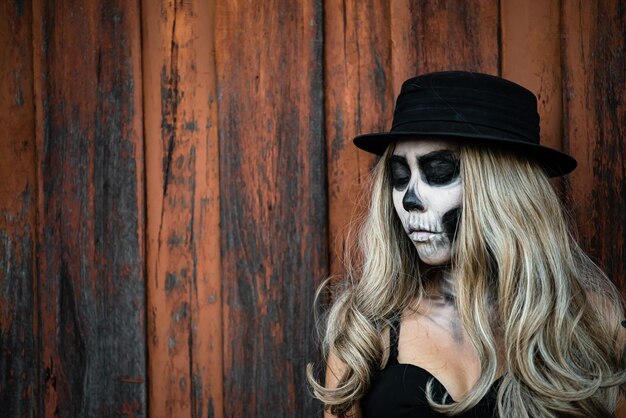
594,117
183,235
91,246
443,35
594,96
358,99
18,190
273,203
531,56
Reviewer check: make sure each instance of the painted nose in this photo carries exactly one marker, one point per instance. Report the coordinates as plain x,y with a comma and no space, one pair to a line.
410,201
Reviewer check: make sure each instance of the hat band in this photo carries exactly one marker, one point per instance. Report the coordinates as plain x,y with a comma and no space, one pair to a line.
459,128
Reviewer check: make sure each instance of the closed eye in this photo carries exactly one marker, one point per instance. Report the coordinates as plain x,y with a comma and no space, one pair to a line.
400,172
439,168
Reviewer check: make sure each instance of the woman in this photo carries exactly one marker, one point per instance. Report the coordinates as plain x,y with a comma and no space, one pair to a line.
466,294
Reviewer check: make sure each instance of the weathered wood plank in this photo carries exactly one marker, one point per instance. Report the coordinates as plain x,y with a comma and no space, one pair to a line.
531,56
183,231
594,104
273,201
443,35
18,191
91,208
358,99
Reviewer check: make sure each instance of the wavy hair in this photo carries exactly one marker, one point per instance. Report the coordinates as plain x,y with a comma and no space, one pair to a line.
520,279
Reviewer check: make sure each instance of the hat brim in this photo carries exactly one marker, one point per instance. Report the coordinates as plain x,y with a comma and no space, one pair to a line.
555,163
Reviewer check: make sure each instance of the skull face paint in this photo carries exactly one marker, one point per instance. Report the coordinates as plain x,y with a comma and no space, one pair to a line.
427,192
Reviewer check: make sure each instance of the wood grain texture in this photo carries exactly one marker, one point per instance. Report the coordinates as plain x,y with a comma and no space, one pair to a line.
18,190
90,203
441,35
594,97
358,99
183,231
531,56
594,118
273,201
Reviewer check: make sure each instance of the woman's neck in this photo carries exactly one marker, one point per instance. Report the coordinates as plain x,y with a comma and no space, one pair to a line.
438,281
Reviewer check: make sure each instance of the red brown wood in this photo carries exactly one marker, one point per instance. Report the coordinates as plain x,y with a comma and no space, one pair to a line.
273,202
594,111
183,235
594,97
358,99
443,35
531,56
90,202
18,207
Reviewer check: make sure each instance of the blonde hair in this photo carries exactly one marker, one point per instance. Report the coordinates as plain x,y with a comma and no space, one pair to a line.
520,279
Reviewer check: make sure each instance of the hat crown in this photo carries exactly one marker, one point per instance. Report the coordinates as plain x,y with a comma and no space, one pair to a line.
478,104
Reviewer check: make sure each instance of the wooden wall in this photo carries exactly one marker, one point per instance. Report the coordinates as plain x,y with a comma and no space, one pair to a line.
176,178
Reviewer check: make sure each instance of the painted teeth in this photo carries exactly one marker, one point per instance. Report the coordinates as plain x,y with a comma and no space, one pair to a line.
422,236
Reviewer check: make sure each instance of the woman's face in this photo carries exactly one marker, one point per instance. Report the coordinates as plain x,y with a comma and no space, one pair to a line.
427,192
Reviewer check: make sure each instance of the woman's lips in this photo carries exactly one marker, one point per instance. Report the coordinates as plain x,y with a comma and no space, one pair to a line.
420,235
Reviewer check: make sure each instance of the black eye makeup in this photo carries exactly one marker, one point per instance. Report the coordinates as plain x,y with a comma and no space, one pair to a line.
400,172
439,168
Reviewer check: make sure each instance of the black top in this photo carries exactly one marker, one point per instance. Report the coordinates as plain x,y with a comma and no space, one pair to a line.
399,390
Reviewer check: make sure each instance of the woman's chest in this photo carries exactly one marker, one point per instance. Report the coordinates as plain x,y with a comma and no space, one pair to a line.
433,339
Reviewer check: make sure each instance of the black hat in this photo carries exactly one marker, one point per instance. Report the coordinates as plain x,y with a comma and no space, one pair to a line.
469,108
